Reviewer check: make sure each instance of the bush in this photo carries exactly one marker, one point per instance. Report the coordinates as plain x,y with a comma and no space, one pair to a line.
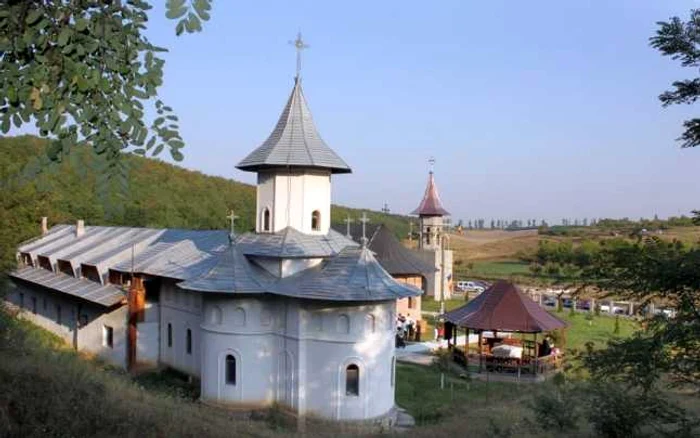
557,410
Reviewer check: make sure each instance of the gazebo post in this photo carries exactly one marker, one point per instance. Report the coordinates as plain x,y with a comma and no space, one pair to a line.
536,355
480,356
466,348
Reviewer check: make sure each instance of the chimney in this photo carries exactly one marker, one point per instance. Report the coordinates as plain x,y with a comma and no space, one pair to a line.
80,228
44,225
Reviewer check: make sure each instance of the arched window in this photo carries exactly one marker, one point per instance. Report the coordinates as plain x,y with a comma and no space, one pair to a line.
170,335
230,370
189,341
352,380
343,324
266,219
316,220
427,236
370,320
215,315
238,317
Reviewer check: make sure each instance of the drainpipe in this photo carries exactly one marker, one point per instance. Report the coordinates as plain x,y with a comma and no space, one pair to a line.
136,303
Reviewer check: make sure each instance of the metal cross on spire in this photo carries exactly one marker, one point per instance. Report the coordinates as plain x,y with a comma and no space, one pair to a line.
348,220
364,219
431,162
299,45
232,218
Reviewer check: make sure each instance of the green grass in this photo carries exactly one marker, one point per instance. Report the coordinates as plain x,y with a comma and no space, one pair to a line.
599,330
429,304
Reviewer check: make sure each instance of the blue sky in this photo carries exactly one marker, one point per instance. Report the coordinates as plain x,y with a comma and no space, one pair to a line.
543,109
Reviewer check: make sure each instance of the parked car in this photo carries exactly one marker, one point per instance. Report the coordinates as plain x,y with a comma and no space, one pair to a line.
549,301
583,305
469,286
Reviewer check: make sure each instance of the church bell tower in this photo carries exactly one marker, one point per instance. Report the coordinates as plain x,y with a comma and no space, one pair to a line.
294,167
431,216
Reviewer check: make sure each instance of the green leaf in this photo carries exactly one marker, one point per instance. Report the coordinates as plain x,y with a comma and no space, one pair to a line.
64,36
158,150
6,124
140,151
150,143
81,24
175,9
33,16
17,120
176,154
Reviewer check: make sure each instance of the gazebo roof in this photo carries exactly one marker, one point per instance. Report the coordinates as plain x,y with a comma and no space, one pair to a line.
504,307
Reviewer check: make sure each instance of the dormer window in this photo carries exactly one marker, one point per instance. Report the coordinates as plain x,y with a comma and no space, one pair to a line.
266,219
316,220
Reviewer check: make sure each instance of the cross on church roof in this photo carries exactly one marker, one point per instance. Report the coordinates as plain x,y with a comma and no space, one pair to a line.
232,218
299,45
364,219
348,221
431,162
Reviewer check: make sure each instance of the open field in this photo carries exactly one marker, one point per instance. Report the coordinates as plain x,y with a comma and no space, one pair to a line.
494,254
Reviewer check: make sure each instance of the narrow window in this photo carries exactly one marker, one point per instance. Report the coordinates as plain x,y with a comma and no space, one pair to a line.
316,220
343,324
352,380
216,315
34,305
189,341
411,304
58,314
230,370
107,336
266,219
427,236
371,323
21,300
170,335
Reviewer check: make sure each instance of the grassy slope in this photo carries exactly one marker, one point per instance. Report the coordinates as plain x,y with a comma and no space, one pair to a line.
48,390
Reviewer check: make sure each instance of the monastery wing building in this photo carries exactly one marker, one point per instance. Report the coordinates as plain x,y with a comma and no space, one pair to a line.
294,313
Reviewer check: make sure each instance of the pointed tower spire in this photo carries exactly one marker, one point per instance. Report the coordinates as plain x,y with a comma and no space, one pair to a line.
294,142
431,204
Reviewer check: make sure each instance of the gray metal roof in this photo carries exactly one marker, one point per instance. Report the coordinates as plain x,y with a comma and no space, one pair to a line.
179,254
292,243
294,142
394,257
182,260
232,273
352,275
105,295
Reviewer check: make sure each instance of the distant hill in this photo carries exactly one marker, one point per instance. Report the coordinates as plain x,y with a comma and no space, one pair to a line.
159,195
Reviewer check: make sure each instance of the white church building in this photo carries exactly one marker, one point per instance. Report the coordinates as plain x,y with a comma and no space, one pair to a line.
293,313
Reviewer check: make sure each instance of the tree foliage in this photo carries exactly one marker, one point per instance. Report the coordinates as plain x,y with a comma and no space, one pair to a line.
681,41
84,70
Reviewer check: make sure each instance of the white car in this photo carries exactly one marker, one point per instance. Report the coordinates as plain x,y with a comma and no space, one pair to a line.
469,286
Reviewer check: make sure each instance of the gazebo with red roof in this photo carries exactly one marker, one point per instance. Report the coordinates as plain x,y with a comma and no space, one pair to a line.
503,307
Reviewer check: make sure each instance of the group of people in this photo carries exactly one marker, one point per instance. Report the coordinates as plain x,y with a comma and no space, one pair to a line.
407,329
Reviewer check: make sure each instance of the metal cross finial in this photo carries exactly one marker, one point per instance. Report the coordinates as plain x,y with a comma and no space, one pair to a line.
232,218
364,219
299,45
431,162
348,221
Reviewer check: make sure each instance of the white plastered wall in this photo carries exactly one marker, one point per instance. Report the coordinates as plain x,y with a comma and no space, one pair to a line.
296,352
292,196
183,310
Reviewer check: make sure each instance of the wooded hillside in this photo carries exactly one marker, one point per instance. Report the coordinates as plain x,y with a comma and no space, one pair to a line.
159,195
